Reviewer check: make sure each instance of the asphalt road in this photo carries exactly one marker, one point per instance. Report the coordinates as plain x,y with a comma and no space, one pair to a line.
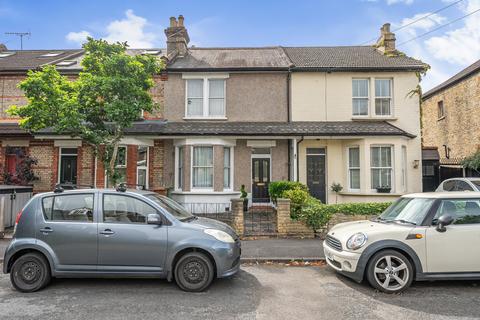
257,292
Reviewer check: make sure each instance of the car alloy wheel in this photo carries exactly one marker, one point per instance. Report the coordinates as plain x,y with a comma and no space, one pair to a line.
390,271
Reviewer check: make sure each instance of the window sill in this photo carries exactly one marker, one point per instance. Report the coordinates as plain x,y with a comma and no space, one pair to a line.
353,193
378,118
205,118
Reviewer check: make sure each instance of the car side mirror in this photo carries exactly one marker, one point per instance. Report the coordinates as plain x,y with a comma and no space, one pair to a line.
444,221
154,218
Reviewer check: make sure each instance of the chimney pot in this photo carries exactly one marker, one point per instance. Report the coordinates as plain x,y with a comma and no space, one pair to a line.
180,21
386,42
177,38
173,22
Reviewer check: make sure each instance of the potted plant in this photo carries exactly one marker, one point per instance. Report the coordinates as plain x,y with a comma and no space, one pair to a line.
243,195
384,189
337,188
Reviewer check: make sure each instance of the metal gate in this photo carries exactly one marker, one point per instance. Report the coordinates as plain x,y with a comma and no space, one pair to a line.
12,200
260,219
217,211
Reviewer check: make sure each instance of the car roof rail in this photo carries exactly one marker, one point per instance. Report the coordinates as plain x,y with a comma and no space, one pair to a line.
58,188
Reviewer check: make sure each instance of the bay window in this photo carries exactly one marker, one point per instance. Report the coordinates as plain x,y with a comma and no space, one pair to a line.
202,167
360,97
205,97
381,167
383,97
354,168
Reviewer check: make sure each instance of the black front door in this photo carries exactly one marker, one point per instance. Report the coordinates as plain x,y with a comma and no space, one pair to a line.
260,179
316,176
68,169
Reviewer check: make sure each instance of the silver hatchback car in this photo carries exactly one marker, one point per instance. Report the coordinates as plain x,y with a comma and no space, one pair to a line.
117,233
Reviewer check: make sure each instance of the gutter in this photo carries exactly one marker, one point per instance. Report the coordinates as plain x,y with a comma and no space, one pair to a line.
298,158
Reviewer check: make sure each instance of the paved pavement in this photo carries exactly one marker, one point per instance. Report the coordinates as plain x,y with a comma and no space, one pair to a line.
264,249
257,292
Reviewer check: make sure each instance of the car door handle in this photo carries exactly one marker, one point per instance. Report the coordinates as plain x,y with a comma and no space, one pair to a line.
46,230
107,232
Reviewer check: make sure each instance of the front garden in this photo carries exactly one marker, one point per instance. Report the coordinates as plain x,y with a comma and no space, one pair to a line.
317,215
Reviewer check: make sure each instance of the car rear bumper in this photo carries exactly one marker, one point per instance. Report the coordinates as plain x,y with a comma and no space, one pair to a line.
344,262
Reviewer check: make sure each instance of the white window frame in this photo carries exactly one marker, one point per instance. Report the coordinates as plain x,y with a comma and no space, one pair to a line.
356,97
179,180
230,178
118,166
145,167
404,168
206,94
383,97
359,168
212,166
60,155
392,166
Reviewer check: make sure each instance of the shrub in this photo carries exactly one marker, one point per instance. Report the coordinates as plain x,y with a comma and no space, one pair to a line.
317,215
298,199
276,188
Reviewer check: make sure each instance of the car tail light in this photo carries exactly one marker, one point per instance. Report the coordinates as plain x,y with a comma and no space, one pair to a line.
19,215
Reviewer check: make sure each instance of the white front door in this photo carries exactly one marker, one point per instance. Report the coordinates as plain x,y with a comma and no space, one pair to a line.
457,249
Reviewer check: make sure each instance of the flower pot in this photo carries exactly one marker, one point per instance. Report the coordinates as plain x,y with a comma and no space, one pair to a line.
384,190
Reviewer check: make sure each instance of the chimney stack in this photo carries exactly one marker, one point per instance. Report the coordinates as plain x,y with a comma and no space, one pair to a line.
3,47
386,42
177,38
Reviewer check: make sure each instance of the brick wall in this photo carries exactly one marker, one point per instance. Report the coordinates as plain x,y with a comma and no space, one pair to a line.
156,166
459,129
47,166
10,94
288,227
85,165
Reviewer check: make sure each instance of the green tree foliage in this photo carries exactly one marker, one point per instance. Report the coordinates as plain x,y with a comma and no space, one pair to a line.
109,95
472,162
276,188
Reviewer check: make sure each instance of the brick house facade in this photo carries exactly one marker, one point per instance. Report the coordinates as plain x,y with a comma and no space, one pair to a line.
450,121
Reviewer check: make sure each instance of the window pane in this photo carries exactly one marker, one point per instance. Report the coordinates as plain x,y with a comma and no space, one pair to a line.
386,157
180,168
382,106
216,107
375,157
122,156
142,156
226,167
360,107
142,178
123,209
360,87
216,88
195,88
195,107
463,211
78,207
354,178
354,157
203,177
382,87
203,156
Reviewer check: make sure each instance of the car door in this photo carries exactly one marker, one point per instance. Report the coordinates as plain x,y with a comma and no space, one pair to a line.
66,224
456,249
126,242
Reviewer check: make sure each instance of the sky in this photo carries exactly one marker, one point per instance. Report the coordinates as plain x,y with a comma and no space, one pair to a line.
56,24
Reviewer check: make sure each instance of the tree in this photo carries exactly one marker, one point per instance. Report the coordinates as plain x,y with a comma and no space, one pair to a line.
472,162
107,97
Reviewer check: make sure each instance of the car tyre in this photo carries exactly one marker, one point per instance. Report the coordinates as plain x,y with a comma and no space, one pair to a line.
30,273
194,272
390,271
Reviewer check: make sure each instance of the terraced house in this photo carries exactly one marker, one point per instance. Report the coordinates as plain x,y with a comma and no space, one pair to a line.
244,116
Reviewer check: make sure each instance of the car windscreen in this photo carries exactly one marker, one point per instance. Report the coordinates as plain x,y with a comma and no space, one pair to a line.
173,207
407,210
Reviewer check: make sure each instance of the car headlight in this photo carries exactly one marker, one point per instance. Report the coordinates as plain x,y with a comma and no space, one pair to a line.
219,235
356,241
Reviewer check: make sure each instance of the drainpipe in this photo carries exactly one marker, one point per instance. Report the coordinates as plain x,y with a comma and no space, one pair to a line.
298,158
289,146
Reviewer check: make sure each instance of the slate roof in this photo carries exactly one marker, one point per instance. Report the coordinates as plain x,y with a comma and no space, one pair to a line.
232,58
23,60
348,58
11,129
468,71
330,128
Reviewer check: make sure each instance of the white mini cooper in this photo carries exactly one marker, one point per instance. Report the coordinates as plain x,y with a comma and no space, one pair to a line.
424,236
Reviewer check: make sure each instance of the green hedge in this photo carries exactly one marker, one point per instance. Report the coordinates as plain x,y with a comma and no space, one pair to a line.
277,188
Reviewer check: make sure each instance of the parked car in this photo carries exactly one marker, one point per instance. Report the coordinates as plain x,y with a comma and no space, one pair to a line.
424,236
120,233
459,184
